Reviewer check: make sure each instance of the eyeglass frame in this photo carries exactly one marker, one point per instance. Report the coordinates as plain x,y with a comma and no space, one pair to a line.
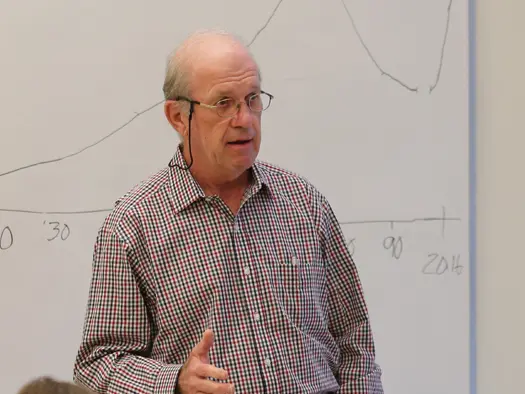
237,104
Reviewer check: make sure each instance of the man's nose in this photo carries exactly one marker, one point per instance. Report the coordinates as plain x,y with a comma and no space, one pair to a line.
243,117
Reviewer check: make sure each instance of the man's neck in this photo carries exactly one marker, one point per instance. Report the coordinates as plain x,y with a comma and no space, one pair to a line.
223,187
231,191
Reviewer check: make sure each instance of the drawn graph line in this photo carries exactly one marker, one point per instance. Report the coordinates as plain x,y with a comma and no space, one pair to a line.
443,45
356,30
266,24
414,89
381,70
403,84
84,149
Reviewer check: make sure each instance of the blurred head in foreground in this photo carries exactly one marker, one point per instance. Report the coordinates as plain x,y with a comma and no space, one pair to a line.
48,385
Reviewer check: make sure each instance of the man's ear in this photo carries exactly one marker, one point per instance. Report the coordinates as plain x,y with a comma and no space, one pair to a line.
177,119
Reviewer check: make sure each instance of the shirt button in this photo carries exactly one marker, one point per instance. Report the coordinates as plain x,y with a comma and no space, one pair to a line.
268,362
246,270
236,227
257,317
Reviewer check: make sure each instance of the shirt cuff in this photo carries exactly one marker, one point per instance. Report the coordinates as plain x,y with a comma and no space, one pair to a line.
167,379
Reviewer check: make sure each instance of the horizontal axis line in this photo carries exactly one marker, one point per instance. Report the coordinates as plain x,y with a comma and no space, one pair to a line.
344,223
431,219
27,211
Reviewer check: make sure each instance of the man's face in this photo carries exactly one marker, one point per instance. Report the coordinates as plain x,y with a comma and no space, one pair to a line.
225,146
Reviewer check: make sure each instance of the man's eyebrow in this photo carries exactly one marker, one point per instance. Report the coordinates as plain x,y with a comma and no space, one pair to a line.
222,93
228,93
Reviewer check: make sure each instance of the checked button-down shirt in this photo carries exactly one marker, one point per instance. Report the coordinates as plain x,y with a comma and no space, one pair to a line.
275,283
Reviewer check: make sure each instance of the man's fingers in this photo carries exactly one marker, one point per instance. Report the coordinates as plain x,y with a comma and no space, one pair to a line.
203,347
197,371
207,386
206,370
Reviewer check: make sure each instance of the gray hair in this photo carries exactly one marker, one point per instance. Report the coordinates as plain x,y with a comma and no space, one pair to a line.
177,79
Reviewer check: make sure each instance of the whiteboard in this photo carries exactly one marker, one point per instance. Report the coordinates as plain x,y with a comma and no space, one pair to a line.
372,104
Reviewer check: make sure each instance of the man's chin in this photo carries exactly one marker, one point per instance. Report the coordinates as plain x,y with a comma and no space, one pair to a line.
242,164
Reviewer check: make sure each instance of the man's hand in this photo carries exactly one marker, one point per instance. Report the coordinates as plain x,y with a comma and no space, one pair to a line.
193,376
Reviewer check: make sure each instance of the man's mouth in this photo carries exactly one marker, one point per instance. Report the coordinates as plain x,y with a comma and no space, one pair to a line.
240,142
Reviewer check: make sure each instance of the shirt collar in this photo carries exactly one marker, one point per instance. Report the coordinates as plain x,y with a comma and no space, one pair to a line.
185,190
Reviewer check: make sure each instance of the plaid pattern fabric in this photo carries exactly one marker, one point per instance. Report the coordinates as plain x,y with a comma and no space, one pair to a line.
275,283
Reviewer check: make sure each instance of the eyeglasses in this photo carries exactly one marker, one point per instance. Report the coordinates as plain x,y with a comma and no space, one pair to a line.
228,107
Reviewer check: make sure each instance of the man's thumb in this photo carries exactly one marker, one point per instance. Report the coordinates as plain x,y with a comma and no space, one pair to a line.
203,347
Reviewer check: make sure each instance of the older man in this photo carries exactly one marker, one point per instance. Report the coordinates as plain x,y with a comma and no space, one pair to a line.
221,272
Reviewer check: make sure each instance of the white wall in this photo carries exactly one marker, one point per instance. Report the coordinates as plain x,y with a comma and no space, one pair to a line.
501,195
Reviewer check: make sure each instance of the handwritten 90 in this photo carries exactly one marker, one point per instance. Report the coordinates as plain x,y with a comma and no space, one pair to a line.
435,264
53,231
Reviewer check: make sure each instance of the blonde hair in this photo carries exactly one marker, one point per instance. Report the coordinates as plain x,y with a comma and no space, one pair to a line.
48,385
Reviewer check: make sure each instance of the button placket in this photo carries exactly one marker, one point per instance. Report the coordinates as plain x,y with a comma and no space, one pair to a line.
252,300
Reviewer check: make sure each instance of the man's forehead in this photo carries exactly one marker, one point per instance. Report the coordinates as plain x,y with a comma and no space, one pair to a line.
235,90
225,82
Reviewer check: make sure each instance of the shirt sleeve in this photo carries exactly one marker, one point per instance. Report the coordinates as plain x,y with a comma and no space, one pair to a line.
118,333
348,315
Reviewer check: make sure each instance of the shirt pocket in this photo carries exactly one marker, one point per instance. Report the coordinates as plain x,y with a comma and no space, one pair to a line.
300,292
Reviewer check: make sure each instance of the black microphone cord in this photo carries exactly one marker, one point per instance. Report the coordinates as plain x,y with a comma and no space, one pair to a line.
172,163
